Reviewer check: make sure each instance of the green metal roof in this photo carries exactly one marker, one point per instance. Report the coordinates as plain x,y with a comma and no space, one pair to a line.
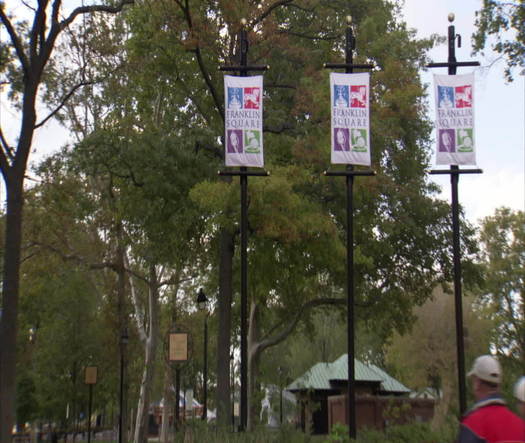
362,371
318,377
389,384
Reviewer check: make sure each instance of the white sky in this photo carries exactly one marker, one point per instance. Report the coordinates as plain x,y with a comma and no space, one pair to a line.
500,114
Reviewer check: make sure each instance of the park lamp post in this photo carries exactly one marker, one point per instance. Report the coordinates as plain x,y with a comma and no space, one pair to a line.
280,371
124,339
202,305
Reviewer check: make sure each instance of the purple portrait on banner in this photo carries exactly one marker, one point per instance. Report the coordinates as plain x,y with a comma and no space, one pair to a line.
341,139
447,140
234,142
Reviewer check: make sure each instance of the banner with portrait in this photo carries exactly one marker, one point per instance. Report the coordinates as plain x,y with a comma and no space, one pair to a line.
454,95
243,121
350,104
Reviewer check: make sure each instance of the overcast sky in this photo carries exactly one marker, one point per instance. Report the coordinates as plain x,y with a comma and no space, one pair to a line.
499,118
500,115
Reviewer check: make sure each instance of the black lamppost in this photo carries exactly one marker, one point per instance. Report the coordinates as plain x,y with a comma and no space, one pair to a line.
280,370
202,304
452,64
124,338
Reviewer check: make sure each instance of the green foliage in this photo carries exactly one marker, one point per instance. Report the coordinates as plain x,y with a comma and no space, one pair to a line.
410,433
339,433
426,357
503,256
501,24
196,431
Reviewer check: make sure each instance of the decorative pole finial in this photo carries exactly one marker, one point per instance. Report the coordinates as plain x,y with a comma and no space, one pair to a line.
451,17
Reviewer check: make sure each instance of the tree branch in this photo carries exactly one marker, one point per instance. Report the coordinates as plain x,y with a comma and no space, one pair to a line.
204,71
273,130
4,164
269,10
63,102
291,325
309,37
209,83
176,280
139,311
76,258
4,144
19,48
93,8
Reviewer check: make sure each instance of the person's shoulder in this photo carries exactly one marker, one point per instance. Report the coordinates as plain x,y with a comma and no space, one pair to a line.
494,422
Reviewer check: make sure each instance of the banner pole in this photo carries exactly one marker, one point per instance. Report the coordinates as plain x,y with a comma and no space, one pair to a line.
177,398
243,174
456,248
349,173
350,298
244,263
454,172
89,412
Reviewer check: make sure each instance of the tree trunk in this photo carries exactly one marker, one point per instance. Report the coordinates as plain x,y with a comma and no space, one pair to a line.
443,404
168,405
224,328
150,348
123,327
254,353
8,315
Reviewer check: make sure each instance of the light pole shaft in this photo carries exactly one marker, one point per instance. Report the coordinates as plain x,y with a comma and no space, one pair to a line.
351,412
177,398
456,249
244,302
244,263
89,412
205,372
121,397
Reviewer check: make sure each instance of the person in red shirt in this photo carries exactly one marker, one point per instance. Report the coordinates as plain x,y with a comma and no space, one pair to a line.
489,420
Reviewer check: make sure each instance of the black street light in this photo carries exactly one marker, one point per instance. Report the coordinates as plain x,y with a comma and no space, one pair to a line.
202,304
280,371
124,339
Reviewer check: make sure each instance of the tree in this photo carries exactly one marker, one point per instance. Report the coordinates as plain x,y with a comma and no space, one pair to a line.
25,59
503,22
425,357
503,256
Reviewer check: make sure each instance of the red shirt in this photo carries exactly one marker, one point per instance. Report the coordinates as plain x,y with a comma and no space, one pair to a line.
490,421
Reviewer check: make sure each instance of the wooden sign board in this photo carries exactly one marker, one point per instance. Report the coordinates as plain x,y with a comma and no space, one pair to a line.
178,346
90,376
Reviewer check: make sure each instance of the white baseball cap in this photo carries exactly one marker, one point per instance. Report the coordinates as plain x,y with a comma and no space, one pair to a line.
519,389
486,368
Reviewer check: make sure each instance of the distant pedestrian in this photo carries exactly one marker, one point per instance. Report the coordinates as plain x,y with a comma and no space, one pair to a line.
489,420
519,393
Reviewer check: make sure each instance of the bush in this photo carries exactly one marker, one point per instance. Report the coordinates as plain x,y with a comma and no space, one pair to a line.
410,433
197,432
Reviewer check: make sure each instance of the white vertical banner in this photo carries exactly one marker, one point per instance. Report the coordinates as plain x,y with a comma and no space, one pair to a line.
454,95
350,104
243,121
